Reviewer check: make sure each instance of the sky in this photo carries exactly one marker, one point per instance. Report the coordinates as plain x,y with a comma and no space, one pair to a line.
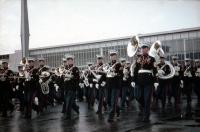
57,22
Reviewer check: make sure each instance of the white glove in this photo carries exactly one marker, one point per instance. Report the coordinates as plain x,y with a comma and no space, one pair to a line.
156,85
14,89
40,81
28,78
56,87
161,72
133,84
81,85
124,79
68,76
3,79
17,87
94,80
97,85
36,101
103,83
181,84
91,85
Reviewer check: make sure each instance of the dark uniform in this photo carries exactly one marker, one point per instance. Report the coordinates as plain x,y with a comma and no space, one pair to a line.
188,76
126,87
20,87
44,91
113,86
45,85
5,91
164,85
144,77
32,88
101,87
197,80
91,89
70,86
175,85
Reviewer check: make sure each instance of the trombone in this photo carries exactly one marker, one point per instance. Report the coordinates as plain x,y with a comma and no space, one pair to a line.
98,77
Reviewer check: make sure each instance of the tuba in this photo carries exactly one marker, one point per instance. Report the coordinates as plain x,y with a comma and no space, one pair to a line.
132,49
156,51
44,84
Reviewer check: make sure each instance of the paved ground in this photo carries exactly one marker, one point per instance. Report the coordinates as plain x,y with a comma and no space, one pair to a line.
53,121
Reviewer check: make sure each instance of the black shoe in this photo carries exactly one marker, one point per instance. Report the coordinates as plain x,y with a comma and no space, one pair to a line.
4,115
68,118
98,112
118,114
28,116
146,120
122,108
110,120
140,114
169,104
77,110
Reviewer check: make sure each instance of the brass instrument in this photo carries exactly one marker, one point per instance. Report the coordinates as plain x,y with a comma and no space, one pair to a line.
197,73
85,80
68,74
177,69
44,84
11,77
4,76
98,77
126,73
133,46
61,70
110,70
132,49
27,74
187,72
156,51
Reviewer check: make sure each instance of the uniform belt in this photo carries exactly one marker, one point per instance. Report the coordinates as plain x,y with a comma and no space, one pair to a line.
144,71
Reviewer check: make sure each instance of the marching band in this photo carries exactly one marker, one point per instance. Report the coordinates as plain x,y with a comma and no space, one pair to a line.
114,85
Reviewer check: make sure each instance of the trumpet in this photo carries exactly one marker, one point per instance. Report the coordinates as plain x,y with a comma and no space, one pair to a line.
68,74
197,73
110,70
85,81
2,76
187,72
126,73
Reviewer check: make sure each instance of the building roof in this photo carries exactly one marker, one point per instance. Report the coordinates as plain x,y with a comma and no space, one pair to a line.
119,38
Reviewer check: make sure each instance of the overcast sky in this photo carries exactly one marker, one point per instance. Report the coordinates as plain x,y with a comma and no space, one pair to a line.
56,22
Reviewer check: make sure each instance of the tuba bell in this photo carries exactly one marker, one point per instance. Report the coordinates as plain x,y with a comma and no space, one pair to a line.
132,49
133,46
156,51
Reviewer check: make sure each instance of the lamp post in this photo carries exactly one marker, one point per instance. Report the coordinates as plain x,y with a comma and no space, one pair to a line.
24,29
